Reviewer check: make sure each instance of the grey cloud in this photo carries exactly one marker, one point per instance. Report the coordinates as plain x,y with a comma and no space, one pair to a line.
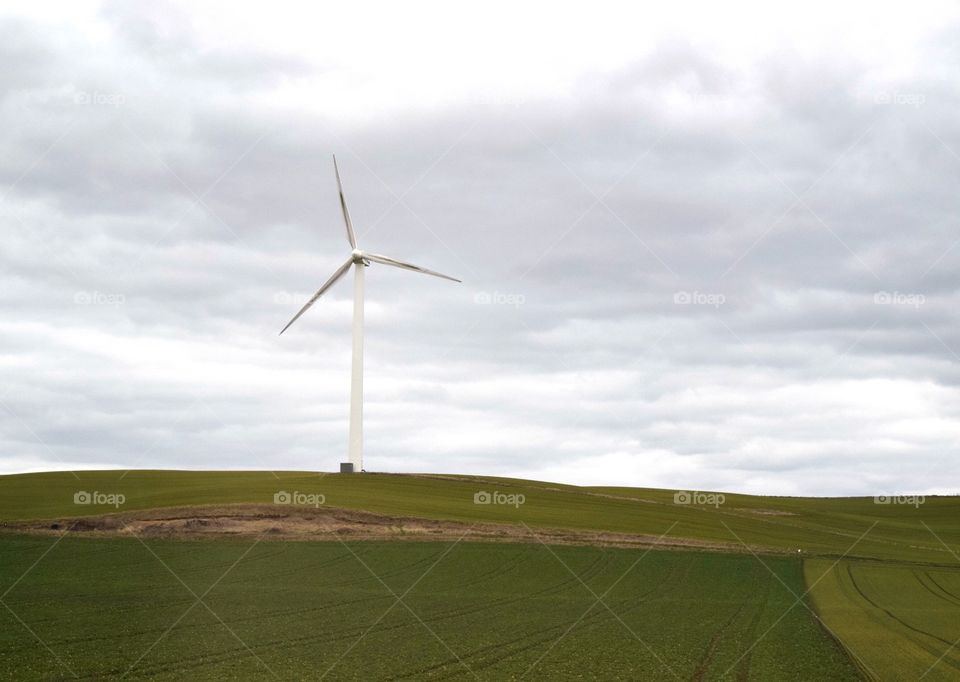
594,358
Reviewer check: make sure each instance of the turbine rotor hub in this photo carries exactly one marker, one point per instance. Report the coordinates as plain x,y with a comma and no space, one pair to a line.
357,255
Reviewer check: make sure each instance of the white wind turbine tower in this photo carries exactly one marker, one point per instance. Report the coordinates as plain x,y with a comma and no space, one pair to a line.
360,259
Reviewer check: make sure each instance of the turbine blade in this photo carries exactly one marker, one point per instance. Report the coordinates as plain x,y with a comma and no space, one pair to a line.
329,283
343,204
406,266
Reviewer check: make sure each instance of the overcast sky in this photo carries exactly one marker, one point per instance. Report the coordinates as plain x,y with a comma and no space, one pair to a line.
710,248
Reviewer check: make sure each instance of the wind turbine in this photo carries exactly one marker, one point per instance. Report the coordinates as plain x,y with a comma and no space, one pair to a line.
359,259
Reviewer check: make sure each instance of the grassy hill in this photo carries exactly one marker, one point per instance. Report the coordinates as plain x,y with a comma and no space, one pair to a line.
855,527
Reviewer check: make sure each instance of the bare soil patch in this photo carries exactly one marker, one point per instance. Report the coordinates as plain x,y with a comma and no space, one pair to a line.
332,523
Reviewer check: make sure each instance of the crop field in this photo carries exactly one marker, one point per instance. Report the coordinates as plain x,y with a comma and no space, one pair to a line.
99,608
899,622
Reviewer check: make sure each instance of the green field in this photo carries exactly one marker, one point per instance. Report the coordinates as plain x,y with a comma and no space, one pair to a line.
900,622
106,607
884,580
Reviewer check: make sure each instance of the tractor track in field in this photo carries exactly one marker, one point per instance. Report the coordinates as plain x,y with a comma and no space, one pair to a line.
940,592
541,636
357,631
706,660
364,578
591,619
327,637
710,652
890,613
326,523
485,658
743,665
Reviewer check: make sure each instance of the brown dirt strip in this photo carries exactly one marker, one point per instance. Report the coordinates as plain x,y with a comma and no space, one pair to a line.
333,523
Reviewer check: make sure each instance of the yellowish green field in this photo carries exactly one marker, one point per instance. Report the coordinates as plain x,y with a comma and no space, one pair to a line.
898,621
